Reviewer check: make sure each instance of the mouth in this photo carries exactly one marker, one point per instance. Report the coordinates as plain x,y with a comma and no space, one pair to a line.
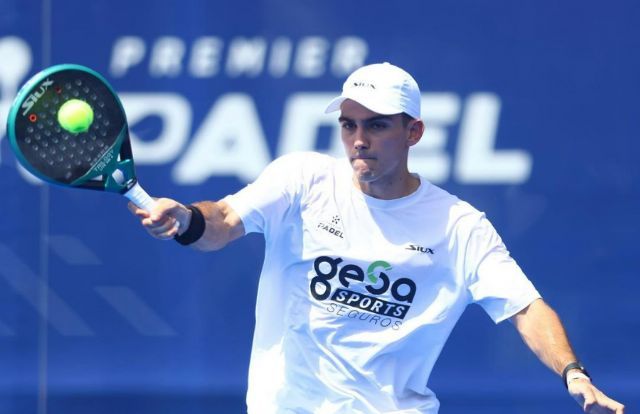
362,157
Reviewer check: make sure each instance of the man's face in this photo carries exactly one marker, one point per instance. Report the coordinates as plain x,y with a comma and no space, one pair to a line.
377,145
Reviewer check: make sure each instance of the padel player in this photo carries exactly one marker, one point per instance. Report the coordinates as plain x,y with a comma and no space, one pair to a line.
367,267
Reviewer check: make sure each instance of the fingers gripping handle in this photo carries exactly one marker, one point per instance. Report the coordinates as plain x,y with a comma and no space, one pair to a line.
140,198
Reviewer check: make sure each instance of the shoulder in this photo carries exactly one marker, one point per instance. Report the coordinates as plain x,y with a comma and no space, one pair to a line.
461,216
449,202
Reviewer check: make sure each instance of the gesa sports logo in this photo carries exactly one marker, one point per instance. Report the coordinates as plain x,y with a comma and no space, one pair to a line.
377,282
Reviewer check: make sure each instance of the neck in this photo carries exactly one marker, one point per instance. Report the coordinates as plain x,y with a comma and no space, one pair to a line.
390,189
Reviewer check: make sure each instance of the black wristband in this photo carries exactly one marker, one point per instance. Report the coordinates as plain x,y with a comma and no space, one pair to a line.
569,367
195,230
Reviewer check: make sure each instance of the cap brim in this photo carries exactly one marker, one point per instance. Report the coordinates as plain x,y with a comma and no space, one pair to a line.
334,105
373,103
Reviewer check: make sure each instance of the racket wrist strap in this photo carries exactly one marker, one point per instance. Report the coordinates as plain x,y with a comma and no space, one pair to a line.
196,227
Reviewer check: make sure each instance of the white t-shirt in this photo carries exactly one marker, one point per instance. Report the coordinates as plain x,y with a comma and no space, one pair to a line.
358,295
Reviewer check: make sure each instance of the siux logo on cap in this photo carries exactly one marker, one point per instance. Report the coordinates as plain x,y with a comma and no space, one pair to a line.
364,85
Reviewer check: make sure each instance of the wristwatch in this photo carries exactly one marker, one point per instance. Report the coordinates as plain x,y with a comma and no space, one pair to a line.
569,367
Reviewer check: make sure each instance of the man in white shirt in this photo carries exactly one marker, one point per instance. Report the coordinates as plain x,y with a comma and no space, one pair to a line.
367,267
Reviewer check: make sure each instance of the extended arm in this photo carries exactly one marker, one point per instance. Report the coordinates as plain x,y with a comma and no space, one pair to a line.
543,332
222,224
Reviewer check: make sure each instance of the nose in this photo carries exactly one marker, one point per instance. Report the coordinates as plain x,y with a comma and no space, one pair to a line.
361,141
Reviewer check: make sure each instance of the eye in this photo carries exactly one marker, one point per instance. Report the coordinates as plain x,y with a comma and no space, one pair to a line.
348,125
378,125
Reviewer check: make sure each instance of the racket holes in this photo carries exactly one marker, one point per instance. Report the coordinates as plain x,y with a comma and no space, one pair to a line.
47,132
106,122
50,162
59,158
67,85
103,133
50,122
81,151
78,82
38,136
100,144
43,115
87,158
33,117
101,104
56,101
58,130
92,137
73,144
30,130
94,97
27,140
85,90
68,175
78,163
90,147
76,93
55,140
98,115
58,90
63,147
45,143
36,148
40,126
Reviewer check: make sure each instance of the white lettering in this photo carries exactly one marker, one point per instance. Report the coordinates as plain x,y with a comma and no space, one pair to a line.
477,161
205,57
175,113
127,51
246,56
303,116
311,57
18,53
348,55
229,142
280,58
166,57
429,157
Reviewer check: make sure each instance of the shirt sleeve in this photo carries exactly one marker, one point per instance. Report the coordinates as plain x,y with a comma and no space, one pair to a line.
266,201
496,282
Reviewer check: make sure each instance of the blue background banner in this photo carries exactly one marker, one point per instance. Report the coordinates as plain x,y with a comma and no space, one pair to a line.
532,116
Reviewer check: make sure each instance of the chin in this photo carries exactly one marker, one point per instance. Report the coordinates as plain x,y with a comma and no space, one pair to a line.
363,173
365,177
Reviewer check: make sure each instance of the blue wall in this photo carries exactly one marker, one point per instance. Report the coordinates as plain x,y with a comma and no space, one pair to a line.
532,116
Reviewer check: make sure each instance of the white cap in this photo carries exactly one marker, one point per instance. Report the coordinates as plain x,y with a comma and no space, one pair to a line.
382,88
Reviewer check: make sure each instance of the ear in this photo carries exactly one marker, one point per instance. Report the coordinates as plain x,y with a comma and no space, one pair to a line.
416,129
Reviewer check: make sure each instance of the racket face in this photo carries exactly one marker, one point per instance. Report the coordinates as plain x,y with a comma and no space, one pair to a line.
49,151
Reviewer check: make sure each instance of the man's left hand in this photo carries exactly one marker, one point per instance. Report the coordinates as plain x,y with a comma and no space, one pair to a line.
592,400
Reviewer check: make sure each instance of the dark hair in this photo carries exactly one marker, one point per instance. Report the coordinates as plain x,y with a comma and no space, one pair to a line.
406,118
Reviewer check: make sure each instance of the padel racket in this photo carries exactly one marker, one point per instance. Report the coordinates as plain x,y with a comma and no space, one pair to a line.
98,158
